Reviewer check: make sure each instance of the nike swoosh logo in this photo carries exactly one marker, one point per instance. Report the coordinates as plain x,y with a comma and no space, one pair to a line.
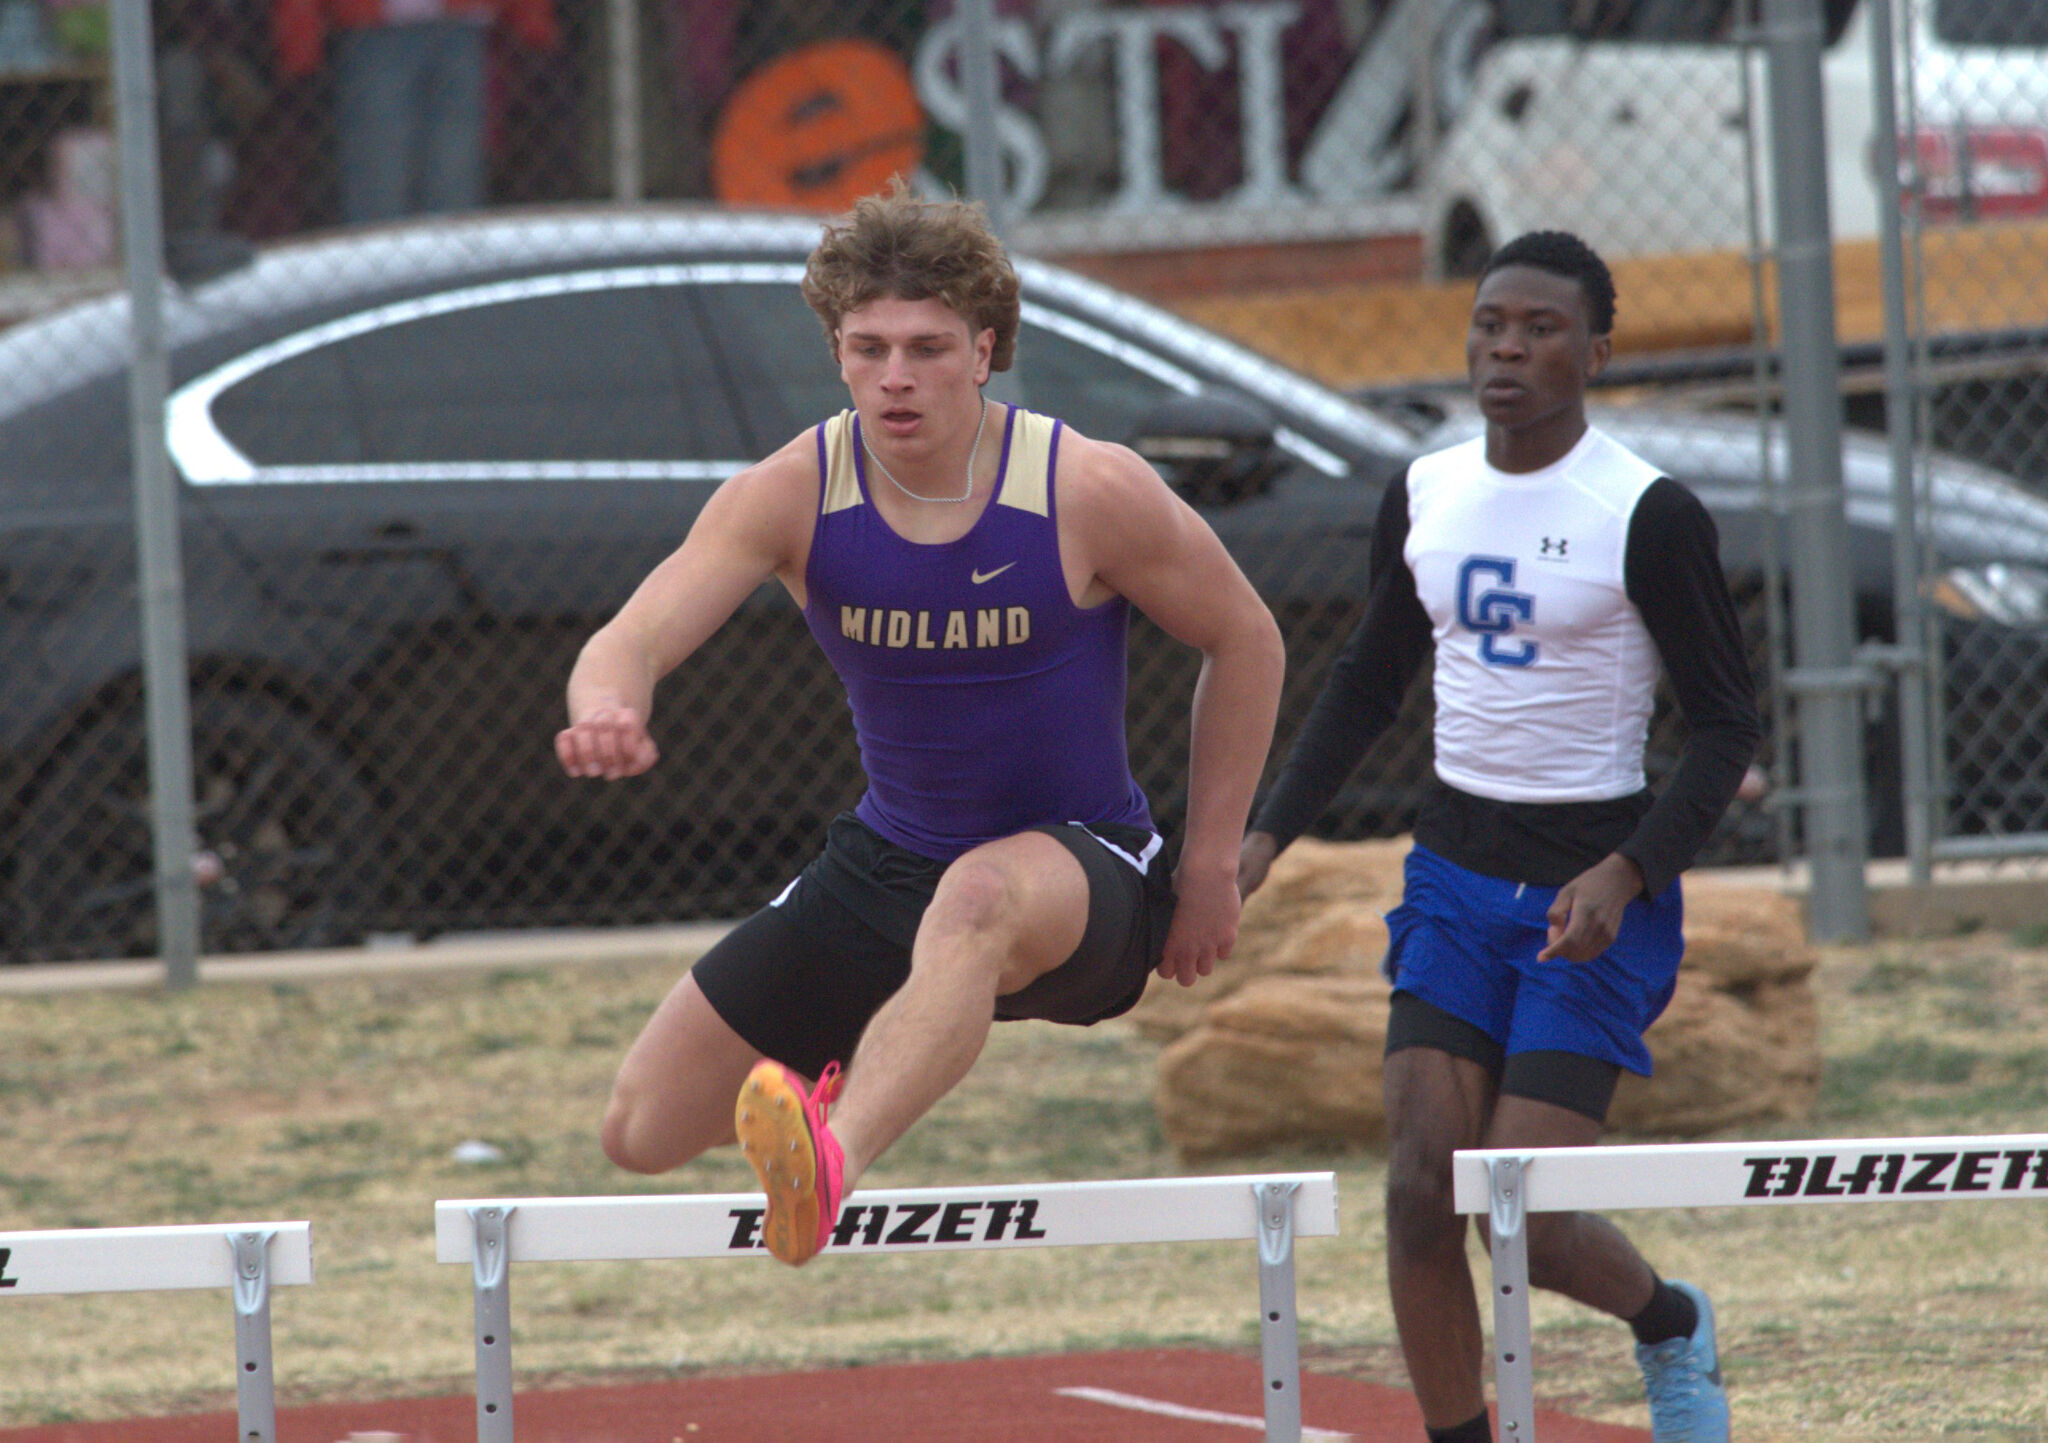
980,576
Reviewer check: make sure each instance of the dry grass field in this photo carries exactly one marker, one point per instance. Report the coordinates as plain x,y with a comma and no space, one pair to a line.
341,1101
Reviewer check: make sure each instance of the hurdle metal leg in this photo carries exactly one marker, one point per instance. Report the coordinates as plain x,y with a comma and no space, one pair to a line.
1279,1338
493,1273
255,1385
1514,1374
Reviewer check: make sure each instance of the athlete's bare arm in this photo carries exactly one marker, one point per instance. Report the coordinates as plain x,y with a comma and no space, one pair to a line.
756,525
1123,532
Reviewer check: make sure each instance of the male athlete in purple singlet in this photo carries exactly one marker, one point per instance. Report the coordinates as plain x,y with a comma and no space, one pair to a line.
968,568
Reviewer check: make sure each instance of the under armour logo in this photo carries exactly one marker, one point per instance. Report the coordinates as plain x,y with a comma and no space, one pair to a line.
979,576
1554,548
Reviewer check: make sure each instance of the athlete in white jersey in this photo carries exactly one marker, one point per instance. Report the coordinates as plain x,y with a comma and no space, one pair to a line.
1553,574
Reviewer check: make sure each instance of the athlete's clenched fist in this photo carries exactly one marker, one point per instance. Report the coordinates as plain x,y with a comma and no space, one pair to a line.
611,743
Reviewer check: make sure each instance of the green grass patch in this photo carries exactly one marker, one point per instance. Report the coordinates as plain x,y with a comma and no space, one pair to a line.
1852,1086
1889,975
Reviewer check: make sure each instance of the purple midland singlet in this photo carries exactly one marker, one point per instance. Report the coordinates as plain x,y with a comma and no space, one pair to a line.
985,701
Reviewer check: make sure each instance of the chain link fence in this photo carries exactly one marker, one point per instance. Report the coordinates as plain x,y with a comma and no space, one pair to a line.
472,310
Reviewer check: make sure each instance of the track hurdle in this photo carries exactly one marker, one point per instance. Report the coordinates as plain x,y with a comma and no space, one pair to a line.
1508,1185
491,1234
249,1258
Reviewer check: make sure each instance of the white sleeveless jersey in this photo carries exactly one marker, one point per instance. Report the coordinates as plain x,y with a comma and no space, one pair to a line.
1544,674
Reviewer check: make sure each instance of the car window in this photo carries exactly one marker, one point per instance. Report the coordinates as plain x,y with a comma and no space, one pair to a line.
776,372
616,373
780,376
1658,21
1100,385
1992,22
1531,19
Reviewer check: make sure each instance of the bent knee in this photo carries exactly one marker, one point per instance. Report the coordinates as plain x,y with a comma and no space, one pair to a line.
974,898
625,1139
640,1136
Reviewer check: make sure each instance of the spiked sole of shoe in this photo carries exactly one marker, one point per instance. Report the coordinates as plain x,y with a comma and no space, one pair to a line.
769,1119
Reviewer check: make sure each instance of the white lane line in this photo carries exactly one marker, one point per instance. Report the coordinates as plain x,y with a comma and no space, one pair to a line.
1197,1415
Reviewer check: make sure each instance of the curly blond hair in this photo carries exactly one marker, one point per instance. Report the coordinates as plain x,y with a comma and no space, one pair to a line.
902,247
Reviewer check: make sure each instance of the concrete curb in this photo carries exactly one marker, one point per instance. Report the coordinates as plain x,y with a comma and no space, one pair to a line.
1961,896
678,946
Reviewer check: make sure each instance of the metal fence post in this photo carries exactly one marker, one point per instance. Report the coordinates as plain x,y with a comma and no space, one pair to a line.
1776,651
156,501
1828,688
622,23
981,80
1915,740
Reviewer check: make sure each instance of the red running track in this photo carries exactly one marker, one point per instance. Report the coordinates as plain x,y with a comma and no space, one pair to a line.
992,1400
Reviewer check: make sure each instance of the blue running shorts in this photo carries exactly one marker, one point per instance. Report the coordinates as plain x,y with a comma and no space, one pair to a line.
1467,943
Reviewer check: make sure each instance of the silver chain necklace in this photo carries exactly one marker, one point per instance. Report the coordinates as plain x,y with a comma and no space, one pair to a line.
972,457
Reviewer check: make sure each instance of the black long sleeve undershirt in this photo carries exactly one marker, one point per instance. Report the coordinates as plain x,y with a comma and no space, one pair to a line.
1672,575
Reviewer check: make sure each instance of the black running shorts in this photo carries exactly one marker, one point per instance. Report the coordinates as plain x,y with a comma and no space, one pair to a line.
800,978
1565,1079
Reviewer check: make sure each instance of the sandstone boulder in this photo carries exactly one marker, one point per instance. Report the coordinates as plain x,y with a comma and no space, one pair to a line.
1724,1057
1745,935
1282,1044
1281,1059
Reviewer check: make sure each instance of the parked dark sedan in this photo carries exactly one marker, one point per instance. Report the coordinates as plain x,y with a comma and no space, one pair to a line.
417,467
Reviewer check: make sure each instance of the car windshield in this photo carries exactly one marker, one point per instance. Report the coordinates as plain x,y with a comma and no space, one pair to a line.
626,375
780,375
1098,393
1992,22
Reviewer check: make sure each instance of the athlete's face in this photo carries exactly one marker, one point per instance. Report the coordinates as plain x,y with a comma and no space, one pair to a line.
1530,352
915,370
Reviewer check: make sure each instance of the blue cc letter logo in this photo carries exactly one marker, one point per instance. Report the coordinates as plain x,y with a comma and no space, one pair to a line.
1492,613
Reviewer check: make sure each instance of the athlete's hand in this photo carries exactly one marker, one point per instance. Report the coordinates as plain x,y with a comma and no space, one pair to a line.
1585,918
610,743
1204,928
1254,860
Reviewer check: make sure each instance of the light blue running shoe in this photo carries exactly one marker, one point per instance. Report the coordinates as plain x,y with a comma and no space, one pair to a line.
1683,1379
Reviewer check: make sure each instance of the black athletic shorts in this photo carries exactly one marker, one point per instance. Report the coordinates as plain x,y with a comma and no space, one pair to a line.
1565,1079
800,978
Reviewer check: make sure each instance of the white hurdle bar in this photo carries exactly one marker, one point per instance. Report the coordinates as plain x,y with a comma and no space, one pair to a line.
491,1234
249,1258
1507,1185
